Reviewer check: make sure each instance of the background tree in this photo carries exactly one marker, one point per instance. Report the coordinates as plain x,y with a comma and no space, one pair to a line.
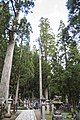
23,35
73,7
34,84
68,58
47,48
74,17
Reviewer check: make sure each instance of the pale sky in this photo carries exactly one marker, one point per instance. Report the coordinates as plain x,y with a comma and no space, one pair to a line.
54,10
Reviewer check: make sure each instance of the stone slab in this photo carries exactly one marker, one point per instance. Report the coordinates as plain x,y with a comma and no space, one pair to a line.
27,115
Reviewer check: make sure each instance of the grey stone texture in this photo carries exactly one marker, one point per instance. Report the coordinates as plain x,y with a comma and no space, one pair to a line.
27,115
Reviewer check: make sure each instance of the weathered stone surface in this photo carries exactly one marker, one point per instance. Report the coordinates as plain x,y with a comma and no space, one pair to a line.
7,115
27,115
38,114
2,94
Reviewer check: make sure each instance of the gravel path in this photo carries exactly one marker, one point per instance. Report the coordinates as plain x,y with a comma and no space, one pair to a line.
27,115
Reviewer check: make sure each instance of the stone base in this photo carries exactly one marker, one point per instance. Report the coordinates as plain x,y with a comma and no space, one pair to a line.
7,115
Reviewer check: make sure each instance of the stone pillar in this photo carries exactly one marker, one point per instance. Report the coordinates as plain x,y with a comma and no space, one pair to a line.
8,115
48,106
43,109
66,99
53,108
9,105
72,110
46,93
25,103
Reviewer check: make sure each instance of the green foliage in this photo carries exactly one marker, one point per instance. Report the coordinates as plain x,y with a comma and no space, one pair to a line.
60,58
4,22
34,84
23,69
74,55
69,58
19,5
9,17
9,11
4,17
63,43
74,16
24,5
3,45
47,38
23,31
47,49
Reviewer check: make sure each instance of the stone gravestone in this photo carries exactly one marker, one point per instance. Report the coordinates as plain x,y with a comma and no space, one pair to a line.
48,106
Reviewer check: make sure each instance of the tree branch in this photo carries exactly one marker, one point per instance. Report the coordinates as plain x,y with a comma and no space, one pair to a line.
13,7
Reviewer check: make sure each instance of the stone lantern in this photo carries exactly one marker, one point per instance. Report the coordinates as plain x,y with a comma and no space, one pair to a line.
8,115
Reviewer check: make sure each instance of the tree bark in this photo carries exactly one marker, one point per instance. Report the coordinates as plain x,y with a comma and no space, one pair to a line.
16,98
46,93
5,79
17,90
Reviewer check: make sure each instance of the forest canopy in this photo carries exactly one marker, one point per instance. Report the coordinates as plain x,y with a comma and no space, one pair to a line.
60,55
